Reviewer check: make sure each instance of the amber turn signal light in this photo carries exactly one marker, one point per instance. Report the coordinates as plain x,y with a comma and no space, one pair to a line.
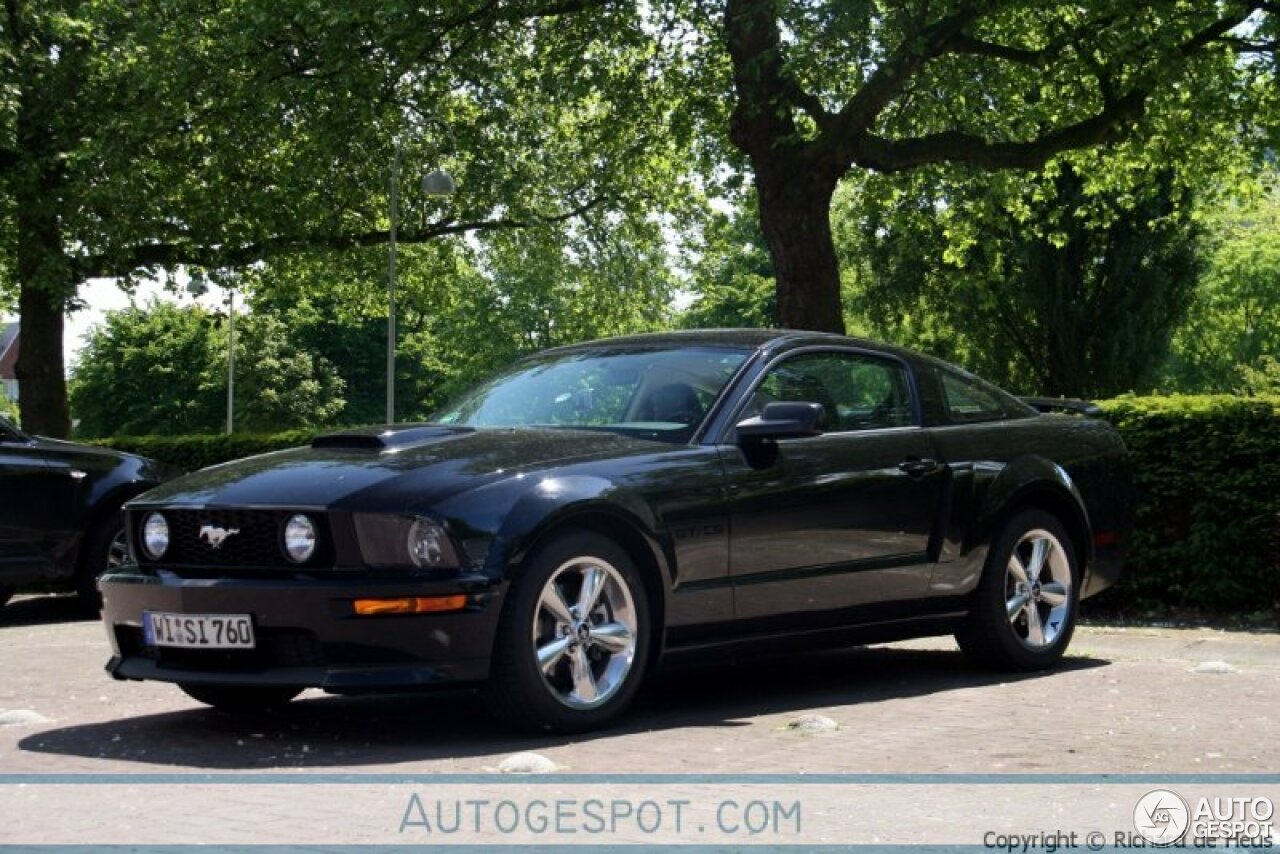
410,605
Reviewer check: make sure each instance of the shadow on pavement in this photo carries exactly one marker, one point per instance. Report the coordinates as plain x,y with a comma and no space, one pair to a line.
345,732
42,609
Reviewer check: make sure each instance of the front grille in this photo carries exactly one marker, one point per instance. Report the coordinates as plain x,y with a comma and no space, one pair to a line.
275,648
256,543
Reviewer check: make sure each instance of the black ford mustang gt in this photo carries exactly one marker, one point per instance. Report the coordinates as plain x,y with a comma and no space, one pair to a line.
557,531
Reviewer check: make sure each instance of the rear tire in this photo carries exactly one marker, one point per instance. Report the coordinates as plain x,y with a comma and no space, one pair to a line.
573,640
240,699
105,548
1024,612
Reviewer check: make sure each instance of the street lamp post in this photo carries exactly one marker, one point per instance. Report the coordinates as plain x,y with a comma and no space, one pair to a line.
435,183
231,360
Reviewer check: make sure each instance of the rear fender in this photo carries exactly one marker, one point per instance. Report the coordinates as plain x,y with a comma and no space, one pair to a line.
1032,481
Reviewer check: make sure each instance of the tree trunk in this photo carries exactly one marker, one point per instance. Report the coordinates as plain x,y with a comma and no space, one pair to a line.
42,383
796,220
45,283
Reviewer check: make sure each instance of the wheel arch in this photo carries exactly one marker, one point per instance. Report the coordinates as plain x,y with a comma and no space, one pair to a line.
624,528
1036,483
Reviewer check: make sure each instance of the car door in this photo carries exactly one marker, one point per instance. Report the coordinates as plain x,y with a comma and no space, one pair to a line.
824,528
26,507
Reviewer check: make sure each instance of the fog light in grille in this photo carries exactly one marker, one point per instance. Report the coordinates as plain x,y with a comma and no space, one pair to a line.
410,605
299,538
155,535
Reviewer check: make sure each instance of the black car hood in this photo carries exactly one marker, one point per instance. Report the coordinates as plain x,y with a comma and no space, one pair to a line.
63,450
423,466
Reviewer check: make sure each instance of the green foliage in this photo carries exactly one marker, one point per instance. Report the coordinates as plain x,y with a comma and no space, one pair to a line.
1262,379
162,369
278,386
190,453
9,409
466,309
1044,283
1207,470
733,274
1232,333
151,370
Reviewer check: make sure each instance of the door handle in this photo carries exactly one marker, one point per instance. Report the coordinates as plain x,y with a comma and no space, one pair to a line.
916,467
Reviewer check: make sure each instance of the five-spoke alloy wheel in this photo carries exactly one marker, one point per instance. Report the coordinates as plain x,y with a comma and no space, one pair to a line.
573,640
1024,610
584,632
1038,589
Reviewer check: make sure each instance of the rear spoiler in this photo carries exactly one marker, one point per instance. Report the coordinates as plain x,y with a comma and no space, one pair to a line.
1071,405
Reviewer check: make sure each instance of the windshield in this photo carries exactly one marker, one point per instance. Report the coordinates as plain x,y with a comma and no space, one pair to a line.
660,394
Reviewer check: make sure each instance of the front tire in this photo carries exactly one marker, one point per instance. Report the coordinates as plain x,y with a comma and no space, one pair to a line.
240,699
1024,612
573,640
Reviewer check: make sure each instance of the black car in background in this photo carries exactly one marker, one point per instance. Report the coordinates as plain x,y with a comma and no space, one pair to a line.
60,519
562,528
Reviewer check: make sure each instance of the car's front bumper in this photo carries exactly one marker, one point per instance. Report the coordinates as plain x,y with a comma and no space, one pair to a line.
307,633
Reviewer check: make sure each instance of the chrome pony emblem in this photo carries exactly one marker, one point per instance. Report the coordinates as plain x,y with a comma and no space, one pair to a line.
215,536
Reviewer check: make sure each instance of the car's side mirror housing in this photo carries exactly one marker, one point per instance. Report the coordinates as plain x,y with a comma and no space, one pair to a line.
783,421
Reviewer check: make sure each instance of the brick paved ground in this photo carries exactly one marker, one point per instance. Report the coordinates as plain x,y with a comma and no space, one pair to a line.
1125,701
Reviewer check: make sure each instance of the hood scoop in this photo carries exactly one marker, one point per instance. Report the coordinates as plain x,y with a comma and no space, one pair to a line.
388,438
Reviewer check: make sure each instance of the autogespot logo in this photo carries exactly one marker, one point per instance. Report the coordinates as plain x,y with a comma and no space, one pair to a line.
1161,817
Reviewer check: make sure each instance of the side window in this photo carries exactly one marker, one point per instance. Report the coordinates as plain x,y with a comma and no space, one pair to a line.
967,402
857,391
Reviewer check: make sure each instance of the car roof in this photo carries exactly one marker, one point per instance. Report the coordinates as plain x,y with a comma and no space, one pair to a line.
752,339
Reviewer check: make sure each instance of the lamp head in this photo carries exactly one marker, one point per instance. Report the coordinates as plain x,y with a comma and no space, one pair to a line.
438,183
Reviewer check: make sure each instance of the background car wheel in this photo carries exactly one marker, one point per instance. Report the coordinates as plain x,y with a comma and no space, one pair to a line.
240,699
573,640
1025,609
104,548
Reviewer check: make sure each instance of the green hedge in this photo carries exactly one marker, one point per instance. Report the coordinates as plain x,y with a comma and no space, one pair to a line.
195,452
1207,470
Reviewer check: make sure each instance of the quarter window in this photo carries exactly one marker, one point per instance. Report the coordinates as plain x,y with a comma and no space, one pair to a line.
857,391
967,401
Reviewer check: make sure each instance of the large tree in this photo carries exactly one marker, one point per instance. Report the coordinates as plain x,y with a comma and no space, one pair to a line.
1043,283
823,88
136,137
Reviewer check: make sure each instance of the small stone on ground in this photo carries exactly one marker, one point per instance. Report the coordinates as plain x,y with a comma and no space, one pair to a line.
527,763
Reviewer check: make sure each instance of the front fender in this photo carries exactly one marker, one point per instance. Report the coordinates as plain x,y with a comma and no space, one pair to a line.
556,501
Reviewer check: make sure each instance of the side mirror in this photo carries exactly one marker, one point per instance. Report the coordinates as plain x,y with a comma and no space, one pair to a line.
783,421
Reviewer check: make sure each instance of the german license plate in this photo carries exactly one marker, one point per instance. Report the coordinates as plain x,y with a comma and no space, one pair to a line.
198,631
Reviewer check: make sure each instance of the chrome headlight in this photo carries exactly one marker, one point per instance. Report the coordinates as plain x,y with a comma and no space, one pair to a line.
299,538
427,544
406,542
155,535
